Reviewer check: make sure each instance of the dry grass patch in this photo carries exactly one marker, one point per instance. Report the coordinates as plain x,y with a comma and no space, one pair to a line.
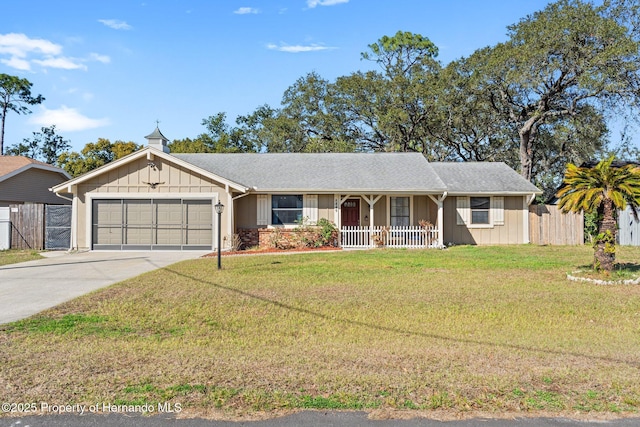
469,329
13,256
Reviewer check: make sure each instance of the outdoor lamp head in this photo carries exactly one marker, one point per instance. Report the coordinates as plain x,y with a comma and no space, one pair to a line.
219,208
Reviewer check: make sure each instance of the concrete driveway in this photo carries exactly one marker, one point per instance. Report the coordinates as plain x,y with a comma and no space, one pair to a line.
30,287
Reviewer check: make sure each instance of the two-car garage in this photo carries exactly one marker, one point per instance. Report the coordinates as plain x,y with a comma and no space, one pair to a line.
152,224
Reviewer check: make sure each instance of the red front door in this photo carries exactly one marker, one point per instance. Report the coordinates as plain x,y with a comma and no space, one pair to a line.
351,213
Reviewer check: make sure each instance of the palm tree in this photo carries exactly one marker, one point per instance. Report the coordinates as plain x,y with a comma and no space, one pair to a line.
603,188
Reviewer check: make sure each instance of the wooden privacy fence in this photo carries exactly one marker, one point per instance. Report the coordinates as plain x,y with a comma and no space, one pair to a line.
549,226
27,226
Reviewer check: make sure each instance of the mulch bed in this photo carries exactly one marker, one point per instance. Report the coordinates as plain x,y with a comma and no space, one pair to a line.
272,251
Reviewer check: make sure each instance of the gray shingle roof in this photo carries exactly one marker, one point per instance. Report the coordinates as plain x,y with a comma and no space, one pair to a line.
482,177
323,172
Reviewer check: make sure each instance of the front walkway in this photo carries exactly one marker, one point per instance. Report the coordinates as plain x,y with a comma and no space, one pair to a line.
29,287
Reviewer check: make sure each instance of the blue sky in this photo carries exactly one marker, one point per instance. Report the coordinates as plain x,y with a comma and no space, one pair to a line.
110,69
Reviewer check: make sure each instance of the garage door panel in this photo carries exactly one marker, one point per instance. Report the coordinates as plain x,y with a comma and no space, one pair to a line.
107,235
167,235
199,214
152,224
137,235
168,212
138,212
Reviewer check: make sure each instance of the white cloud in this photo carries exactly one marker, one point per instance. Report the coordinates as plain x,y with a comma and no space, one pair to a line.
100,58
23,52
60,62
246,10
314,3
19,45
115,24
17,63
66,119
298,48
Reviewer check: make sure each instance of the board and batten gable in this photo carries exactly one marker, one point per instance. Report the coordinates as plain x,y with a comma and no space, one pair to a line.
135,179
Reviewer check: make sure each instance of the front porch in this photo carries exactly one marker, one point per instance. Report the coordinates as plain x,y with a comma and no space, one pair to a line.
391,237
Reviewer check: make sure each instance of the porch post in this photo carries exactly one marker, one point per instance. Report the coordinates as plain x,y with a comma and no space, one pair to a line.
441,219
230,213
372,202
440,202
370,220
336,217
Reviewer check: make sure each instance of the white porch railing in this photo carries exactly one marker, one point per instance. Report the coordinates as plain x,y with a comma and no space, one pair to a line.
391,237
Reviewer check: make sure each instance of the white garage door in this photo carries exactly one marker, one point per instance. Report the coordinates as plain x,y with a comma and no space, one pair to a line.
152,224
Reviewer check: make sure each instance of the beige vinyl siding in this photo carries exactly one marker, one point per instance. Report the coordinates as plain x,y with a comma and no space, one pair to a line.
246,209
31,185
424,209
325,207
245,212
380,212
512,232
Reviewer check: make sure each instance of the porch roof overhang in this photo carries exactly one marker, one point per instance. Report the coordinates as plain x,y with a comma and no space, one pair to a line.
150,153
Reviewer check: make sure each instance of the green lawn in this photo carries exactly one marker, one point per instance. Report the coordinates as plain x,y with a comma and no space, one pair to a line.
13,256
463,331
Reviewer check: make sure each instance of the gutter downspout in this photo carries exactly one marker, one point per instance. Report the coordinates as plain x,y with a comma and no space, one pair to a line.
525,221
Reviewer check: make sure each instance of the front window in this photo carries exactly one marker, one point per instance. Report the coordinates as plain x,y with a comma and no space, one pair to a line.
399,211
480,210
286,209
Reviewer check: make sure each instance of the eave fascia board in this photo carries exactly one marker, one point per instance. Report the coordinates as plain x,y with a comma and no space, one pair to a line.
348,190
493,193
147,152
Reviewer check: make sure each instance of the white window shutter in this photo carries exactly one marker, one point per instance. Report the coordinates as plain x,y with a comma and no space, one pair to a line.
497,207
462,210
310,208
263,209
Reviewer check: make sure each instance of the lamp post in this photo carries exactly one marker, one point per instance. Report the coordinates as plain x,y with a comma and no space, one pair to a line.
219,208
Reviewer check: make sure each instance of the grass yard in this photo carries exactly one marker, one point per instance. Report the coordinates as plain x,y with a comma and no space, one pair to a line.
459,332
13,256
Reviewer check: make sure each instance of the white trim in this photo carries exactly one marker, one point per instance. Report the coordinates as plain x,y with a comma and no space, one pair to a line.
462,210
497,210
525,219
388,200
263,209
74,222
310,208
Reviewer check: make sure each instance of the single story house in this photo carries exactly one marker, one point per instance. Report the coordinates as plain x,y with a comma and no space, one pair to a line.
26,180
152,199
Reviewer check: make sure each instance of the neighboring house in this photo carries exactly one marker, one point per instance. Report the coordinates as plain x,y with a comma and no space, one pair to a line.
152,199
26,180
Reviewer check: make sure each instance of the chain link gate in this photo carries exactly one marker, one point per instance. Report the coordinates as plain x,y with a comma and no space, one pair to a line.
57,228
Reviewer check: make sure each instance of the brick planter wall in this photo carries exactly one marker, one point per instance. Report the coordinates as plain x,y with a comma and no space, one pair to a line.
264,237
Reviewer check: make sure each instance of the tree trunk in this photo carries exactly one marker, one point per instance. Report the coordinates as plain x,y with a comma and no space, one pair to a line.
527,137
604,256
2,117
